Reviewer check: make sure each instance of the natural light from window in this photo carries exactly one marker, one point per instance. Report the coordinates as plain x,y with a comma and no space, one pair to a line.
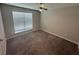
22,21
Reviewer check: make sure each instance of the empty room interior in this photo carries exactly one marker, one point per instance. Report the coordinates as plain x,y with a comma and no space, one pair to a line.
39,28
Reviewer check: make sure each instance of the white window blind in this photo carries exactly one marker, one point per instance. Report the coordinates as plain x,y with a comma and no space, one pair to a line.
22,21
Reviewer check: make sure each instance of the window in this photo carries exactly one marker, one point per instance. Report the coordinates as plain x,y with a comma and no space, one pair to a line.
22,21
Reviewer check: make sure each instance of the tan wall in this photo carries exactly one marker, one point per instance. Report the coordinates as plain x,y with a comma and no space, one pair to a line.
2,37
2,34
63,22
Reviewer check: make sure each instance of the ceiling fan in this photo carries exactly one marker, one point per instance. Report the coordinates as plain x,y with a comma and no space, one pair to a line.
42,7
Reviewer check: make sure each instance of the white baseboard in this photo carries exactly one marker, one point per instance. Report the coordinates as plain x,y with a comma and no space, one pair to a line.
61,37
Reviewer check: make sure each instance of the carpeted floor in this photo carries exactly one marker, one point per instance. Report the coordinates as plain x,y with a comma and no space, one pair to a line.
40,43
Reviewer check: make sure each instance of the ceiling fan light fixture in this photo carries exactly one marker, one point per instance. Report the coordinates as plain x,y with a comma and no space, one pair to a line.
40,10
42,7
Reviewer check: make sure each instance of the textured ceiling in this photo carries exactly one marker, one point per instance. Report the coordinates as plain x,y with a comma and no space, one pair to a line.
26,5
48,5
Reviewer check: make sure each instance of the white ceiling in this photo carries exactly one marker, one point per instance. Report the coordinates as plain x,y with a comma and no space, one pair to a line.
48,5
26,5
